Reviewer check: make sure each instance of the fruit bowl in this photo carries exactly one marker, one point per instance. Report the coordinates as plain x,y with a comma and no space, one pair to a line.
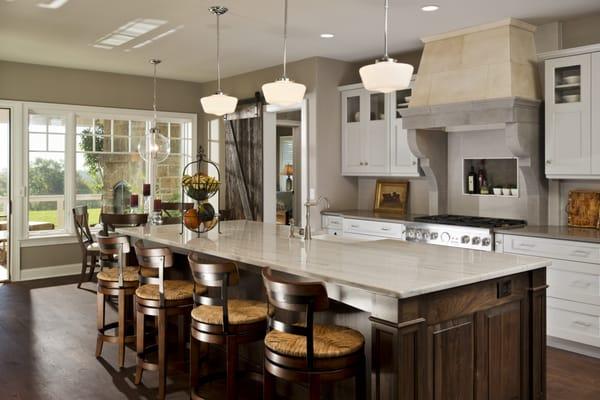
201,219
200,187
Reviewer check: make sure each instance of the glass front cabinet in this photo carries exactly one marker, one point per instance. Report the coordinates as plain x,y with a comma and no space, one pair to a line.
572,104
373,140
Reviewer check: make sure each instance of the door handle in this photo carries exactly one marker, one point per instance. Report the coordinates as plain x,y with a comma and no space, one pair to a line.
580,284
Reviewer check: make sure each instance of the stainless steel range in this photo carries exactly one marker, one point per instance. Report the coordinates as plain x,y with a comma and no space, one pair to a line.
467,232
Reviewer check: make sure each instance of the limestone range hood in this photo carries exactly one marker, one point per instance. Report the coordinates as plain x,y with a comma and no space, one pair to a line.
477,96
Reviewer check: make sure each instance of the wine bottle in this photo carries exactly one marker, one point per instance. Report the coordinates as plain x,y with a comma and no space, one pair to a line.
472,181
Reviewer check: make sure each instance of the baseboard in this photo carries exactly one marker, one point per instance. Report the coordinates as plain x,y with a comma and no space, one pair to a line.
573,347
50,272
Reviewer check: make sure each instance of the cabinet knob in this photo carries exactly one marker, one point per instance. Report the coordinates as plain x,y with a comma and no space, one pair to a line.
361,163
366,163
548,161
414,163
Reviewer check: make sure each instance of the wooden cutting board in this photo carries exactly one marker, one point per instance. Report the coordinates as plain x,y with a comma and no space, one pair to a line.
583,209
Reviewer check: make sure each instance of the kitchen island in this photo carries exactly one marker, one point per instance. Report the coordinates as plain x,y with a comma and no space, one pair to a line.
442,323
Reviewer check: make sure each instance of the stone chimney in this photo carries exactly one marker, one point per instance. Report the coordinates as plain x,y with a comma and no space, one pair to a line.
496,60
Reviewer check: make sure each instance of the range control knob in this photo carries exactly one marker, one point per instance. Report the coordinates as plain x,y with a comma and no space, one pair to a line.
433,235
465,239
445,237
476,240
426,235
419,235
485,242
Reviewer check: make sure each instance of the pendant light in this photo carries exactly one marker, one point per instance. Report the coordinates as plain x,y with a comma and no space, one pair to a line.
219,103
155,146
386,74
284,92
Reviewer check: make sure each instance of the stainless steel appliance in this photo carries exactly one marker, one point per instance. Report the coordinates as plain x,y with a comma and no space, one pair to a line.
467,232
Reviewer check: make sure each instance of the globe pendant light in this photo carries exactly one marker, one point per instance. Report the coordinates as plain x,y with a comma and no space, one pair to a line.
219,103
284,92
155,146
386,74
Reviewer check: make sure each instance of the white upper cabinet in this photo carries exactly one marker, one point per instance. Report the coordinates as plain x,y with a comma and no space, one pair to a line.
572,97
373,141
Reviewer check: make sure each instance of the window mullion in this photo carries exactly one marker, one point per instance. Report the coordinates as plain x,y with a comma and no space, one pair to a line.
70,170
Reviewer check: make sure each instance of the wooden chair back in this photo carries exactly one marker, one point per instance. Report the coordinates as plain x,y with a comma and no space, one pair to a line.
112,221
159,258
111,247
220,276
82,227
299,298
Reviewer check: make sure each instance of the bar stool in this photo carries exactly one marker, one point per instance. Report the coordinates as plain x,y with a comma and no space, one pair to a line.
306,352
90,252
119,281
223,321
161,299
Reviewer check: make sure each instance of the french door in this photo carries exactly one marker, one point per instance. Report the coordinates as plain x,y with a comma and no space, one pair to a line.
5,210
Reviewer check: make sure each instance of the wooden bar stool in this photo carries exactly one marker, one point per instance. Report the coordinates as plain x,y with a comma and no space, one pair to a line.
223,321
90,252
120,281
303,351
161,299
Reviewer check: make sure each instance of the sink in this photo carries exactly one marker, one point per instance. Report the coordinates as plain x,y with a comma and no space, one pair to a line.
344,239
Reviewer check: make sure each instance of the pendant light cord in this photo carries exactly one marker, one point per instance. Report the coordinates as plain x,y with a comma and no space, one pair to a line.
385,31
285,16
154,62
218,54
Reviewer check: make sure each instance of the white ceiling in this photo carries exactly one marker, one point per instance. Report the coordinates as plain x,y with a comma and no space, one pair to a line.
251,31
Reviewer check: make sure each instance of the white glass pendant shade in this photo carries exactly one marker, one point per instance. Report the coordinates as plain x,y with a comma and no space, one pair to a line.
154,146
283,92
219,104
386,76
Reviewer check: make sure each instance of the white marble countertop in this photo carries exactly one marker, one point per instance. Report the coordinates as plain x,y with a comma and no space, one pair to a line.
386,267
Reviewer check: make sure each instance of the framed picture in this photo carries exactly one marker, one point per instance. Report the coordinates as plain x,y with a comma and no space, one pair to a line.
391,197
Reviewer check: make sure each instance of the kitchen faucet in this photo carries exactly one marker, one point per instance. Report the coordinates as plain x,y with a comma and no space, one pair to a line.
308,205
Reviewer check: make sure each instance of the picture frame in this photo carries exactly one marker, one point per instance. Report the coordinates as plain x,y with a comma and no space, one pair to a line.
391,197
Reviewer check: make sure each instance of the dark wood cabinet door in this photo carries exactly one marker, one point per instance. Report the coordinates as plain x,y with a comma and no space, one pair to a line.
453,350
500,364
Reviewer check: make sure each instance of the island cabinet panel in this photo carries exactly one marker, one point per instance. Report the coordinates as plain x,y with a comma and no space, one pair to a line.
481,341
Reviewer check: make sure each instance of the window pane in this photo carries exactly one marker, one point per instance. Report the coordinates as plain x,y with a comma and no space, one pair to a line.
37,142
46,191
121,144
84,125
37,123
163,127
56,142
103,143
121,128
175,130
176,146
169,177
138,128
57,125
102,127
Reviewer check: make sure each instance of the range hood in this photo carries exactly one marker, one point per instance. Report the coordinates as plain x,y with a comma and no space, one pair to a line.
477,94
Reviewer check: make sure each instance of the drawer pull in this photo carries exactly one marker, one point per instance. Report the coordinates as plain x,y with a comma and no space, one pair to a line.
355,226
334,222
386,229
528,245
580,284
581,253
582,323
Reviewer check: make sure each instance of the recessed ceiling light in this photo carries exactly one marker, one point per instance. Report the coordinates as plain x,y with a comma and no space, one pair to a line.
327,35
53,4
430,7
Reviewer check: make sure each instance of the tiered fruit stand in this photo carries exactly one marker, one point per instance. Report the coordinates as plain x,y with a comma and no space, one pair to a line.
200,187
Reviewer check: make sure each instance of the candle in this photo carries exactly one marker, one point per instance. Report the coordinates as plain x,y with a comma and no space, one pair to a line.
146,189
157,204
134,201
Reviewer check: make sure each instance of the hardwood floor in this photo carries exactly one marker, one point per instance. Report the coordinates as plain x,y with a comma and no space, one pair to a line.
48,336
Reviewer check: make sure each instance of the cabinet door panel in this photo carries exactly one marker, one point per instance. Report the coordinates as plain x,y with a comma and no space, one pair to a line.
352,131
353,148
500,367
453,360
595,113
568,119
376,146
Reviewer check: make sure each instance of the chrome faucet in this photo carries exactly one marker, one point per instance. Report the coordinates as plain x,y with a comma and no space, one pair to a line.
308,205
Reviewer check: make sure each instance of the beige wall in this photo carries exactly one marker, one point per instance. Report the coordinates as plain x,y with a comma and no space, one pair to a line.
581,31
37,83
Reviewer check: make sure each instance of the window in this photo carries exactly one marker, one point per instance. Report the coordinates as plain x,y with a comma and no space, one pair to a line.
77,155
46,172
214,155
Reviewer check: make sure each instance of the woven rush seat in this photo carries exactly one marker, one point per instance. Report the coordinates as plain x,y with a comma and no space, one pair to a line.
174,290
240,312
329,341
130,274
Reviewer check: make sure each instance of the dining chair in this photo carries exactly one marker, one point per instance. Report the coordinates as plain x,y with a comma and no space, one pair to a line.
90,252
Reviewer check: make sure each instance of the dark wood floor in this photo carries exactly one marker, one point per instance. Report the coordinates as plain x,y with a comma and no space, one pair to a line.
47,341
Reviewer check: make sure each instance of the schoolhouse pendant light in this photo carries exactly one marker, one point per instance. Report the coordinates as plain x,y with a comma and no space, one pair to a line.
386,74
284,92
155,146
219,103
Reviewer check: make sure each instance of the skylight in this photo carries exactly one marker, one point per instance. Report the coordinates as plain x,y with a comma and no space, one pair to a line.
128,32
53,4
155,38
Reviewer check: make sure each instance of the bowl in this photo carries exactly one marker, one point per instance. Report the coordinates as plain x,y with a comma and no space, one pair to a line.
407,99
498,191
514,192
571,98
505,191
572,79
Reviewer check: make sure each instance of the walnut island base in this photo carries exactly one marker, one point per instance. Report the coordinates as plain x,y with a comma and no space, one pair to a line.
439,323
